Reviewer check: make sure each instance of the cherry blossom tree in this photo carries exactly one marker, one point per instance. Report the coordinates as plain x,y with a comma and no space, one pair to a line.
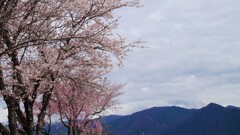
45,43
79,103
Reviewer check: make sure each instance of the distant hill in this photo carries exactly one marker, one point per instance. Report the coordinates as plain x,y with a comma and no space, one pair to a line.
110,118
210,120
153,121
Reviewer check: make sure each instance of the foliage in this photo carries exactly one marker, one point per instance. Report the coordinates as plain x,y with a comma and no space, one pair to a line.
53,49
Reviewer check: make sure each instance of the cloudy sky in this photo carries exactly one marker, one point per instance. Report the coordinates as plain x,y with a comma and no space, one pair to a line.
192,56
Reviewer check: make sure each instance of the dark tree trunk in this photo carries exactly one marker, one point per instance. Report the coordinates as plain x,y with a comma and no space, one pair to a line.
41,116
69,130
12,119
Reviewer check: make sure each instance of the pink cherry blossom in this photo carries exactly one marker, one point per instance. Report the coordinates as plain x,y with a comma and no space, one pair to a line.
54,57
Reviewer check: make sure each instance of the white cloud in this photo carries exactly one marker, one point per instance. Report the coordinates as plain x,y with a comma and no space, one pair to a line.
193,56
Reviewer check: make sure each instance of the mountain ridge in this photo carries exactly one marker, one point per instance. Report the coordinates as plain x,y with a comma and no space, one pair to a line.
212,119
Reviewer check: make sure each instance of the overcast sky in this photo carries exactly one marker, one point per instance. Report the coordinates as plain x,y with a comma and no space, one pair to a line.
193,54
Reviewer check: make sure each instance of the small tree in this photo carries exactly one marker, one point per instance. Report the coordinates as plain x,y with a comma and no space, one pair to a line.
78,104
46,42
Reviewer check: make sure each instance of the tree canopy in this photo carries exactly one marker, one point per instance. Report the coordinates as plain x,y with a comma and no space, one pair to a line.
55,54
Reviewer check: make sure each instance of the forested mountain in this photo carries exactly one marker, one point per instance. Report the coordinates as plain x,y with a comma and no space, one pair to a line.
210,120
